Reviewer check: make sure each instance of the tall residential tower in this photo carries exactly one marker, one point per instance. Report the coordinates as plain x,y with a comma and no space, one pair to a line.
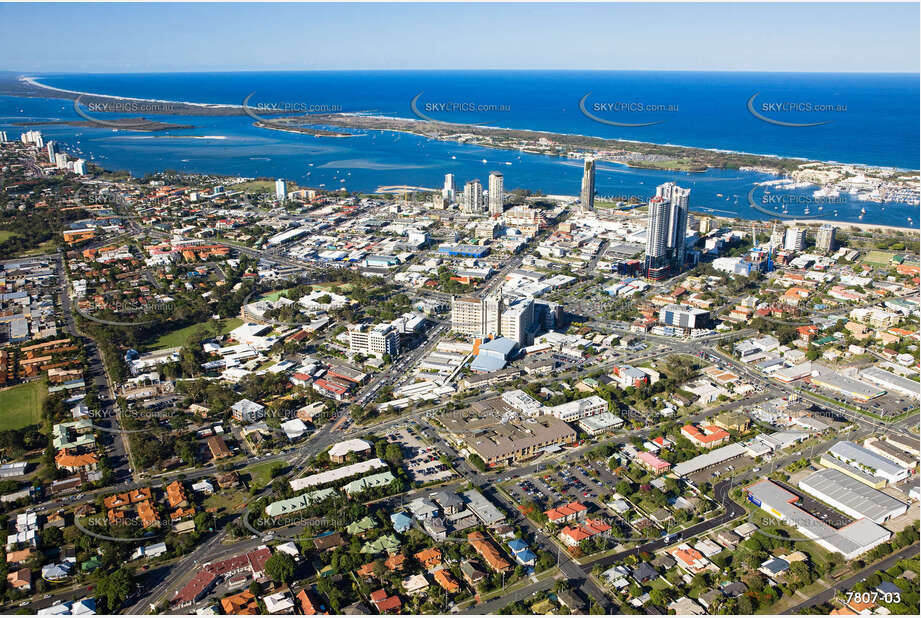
587,195
496,193
666,231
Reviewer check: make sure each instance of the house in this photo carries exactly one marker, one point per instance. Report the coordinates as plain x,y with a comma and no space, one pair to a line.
774,567
571,601
429,558
686,607
644,572
401,522
727,539
385,603
449,502
241,604
446,581
383,544
20,580
310,604
279,603
340,451
415,584
689,559
361,527
709,598
708,548
328,541
707,436
522,553
396,562
734,590
472,573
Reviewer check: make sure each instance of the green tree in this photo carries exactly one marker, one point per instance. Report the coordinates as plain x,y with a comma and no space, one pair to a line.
280,567
115,588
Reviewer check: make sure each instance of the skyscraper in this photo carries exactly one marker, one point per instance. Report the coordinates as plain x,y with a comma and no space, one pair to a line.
52,150
496,193
473,198
825,238
587,195
281,190
449,192
666,230
794,239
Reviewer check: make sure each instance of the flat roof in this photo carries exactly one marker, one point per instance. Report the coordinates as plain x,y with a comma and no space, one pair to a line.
850,541
851,452
848,385
712,458
863,499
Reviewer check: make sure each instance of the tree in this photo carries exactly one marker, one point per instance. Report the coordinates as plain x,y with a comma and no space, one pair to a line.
115,588
280,567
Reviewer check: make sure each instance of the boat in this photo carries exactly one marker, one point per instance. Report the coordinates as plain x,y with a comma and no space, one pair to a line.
863,211
484,160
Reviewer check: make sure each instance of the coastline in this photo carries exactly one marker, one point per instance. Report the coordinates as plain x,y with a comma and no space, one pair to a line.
229,109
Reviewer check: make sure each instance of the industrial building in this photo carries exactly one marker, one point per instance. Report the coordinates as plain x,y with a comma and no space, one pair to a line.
851,497
863,464
850,541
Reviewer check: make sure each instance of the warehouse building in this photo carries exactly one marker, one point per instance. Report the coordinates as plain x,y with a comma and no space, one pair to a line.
851,497
850,541
849,387
861,459
708,460
891,381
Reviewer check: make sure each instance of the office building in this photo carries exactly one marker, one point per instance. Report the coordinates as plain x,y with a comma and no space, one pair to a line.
666,231
281,190
794,239
376,340
587,195
449,192
683,317
496,193
825,238
473,198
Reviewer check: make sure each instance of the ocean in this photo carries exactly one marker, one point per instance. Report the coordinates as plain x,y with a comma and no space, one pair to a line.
865,118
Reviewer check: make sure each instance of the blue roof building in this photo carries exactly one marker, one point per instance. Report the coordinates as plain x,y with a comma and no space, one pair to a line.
522,552
401,521
493,355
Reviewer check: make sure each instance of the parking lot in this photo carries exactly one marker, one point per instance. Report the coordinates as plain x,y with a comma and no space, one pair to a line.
421,461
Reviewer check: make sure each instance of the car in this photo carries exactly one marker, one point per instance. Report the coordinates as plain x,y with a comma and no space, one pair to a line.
24,603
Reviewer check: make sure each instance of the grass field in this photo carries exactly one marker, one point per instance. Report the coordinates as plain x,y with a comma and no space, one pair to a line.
177,338
879,258
260,474
21,405
6,235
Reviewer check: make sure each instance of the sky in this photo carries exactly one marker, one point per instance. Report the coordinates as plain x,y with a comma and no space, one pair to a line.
101,38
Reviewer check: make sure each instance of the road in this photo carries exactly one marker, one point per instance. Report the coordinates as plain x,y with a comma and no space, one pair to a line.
843,586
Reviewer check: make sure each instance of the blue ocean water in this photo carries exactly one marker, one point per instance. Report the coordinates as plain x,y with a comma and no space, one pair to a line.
869,119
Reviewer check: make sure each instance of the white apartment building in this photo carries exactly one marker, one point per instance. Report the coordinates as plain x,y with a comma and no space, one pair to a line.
376,340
